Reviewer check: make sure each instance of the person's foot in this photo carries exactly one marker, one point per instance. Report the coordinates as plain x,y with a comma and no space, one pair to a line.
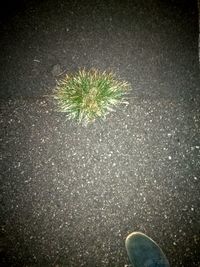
144,252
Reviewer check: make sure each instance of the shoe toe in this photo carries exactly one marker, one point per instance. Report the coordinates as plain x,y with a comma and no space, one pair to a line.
144,252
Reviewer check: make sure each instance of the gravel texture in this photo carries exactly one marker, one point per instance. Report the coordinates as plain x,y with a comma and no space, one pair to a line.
71,194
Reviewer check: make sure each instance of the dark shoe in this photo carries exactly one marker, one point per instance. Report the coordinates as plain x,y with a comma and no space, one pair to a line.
144,252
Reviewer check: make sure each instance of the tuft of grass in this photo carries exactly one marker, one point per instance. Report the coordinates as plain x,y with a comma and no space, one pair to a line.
87,95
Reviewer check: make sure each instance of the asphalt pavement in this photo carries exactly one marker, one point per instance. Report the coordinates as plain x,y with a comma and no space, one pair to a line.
71,194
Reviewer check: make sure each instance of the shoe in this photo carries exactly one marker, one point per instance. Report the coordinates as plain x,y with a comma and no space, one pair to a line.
144,252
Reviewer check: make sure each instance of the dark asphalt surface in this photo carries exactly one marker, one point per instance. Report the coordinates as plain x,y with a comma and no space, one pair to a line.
69,194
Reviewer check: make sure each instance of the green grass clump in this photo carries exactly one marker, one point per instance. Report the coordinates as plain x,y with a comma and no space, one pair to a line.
87,95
